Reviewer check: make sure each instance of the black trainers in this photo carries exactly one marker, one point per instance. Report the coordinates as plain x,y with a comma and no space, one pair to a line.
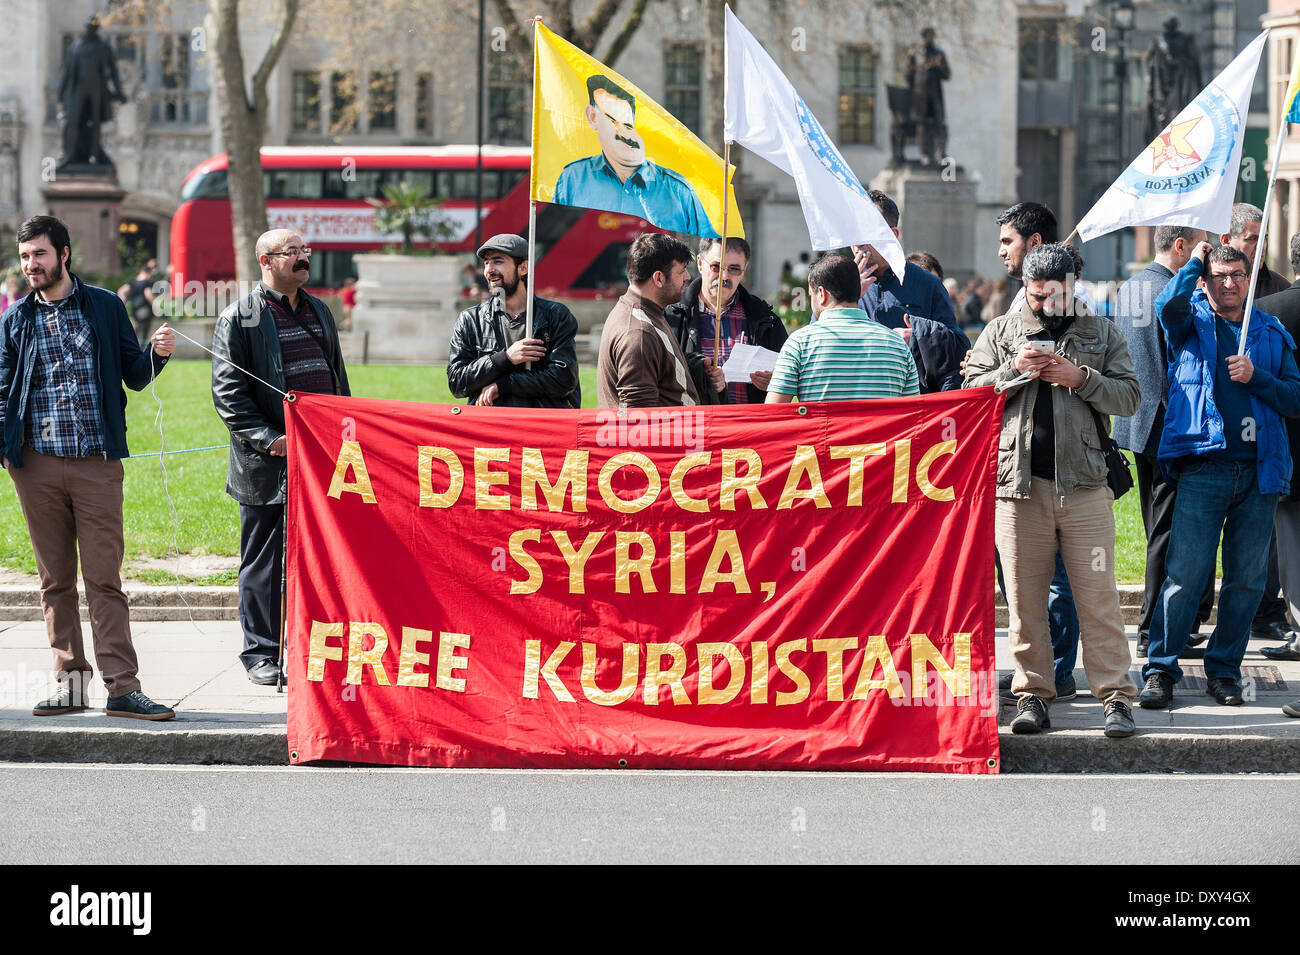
1005,696
1032,717
1226,692
1158,692
137,706
1067,690
66,700
1119,719
1144,639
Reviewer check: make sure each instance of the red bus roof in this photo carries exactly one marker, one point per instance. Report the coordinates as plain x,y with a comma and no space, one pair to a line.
371,157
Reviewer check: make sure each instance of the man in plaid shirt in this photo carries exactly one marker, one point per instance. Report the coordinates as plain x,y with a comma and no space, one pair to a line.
65,352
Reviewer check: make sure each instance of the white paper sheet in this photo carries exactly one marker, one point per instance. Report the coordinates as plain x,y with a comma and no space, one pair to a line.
746,358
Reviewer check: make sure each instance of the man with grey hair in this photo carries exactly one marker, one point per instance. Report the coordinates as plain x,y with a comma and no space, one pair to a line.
1135,316
1285,306
1243,235
287,339
1052,489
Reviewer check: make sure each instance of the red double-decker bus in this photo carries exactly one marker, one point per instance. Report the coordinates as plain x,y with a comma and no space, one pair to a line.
321,194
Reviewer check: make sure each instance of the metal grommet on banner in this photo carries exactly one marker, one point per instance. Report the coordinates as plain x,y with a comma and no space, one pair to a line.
455,409
993,762
803,409
291,397
293,756
622,763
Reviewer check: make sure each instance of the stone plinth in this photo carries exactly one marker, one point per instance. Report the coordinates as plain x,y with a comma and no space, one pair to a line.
407,305
89,204
937,213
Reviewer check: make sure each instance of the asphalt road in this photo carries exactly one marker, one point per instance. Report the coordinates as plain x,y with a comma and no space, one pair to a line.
168,815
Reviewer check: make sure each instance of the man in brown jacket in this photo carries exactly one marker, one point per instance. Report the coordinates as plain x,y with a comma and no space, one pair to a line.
641,364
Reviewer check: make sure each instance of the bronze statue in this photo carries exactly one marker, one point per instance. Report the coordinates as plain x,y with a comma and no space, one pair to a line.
927,70
1173,76
88,83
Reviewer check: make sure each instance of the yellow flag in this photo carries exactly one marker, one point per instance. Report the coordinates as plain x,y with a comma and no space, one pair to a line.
601,143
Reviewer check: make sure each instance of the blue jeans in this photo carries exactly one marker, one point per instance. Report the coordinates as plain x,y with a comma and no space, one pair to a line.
1213,495
1062,619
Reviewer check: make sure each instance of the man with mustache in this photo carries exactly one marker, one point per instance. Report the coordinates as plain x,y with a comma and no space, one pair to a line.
287,338
1052,491
745,318
619,178
491,361
66,349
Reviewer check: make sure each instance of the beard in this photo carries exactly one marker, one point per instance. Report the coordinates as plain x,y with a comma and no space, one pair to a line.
51,278
1052,323
509,286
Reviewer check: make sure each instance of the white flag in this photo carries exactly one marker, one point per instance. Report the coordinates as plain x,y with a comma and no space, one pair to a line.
764,114
1188,174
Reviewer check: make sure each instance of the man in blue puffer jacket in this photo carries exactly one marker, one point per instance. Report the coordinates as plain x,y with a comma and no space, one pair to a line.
1225,445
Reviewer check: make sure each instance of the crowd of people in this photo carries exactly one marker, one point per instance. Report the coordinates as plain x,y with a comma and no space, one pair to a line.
1213,433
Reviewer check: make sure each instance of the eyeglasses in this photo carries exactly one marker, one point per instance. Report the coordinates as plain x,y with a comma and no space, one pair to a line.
732,270
1237,278
295,252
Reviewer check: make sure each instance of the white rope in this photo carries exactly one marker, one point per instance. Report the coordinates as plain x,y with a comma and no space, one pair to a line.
229,362
162,464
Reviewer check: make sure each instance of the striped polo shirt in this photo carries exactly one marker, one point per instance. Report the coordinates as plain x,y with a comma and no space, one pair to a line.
845,356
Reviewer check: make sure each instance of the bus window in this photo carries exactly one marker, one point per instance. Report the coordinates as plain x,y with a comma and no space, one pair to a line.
330,267
464,184
210,185
294,184
422,179
608,271
510,178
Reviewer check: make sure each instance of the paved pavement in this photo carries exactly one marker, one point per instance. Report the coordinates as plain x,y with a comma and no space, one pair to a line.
222,718
144,816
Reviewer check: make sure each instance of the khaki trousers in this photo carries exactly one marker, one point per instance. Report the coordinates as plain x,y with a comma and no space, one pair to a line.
71,505
1028,533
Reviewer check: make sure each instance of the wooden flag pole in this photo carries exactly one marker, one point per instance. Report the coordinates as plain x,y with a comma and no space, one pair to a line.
532,203
1071,236
722,256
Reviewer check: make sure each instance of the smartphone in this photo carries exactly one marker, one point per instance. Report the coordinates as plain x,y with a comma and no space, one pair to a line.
1044,347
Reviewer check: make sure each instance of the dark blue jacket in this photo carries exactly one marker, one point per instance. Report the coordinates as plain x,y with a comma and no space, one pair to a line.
117,353
1193,424
920,295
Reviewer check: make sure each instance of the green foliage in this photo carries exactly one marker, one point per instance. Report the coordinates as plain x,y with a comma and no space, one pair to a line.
410,210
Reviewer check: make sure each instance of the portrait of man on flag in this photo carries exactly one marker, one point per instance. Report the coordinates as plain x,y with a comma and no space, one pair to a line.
600,143
620,178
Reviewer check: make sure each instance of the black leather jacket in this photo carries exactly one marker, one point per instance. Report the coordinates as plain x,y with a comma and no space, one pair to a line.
478,358
762,328
246,335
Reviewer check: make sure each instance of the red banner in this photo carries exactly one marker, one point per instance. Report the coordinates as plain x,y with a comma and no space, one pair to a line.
794,586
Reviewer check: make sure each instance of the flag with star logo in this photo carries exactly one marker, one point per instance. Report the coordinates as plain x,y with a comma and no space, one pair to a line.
1187,175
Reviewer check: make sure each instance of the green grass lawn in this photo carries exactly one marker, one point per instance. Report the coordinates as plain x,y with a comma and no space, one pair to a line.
207,520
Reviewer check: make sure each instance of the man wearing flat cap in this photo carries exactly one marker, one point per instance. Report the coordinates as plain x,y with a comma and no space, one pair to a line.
493,361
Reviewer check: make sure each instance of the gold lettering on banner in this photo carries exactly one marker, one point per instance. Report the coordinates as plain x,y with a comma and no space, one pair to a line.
677,562
527,561
359,658
577,559
902,465
656,677
857,455
571,482
319,651
424,474
835,650
678,478
485,479
705,653
923,472
410,656
791,671
625,566
627,682
533,668
448,661
725,545
634,459
748,482
350,457
804,462
956,677
877,652
758,667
